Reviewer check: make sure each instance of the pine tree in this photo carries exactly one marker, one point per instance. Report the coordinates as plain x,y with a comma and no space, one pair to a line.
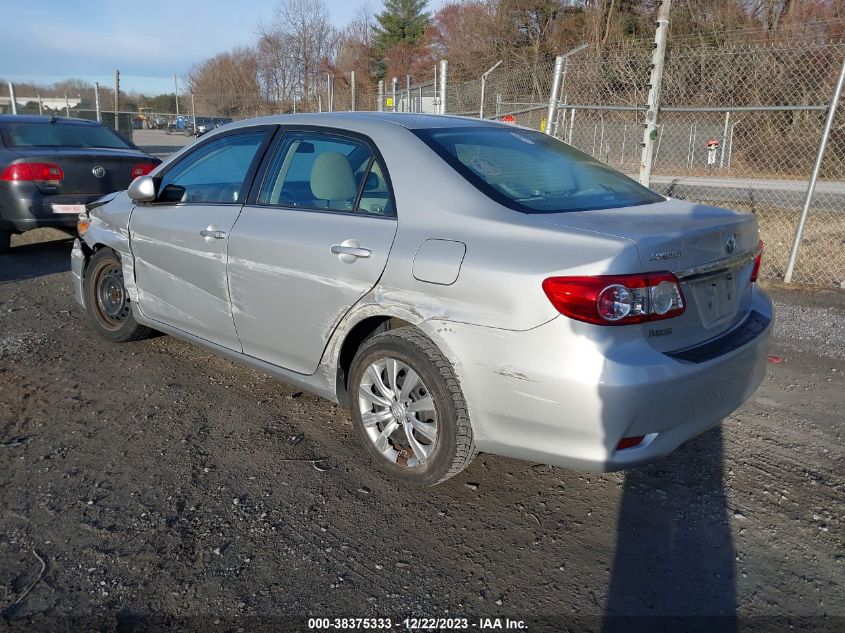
401,22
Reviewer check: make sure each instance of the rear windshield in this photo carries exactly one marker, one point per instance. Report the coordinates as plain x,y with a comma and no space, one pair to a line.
61,135
532,172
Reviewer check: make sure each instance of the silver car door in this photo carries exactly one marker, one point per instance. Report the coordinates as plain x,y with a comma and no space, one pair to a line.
179,242
315,241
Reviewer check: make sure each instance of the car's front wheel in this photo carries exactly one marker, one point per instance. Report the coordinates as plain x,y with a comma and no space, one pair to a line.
408,409
107,302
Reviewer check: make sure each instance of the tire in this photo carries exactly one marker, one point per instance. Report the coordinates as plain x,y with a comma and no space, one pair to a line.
107,302
394,435
5,241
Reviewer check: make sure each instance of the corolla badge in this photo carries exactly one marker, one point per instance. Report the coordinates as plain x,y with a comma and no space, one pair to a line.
99,171
730,244
661,255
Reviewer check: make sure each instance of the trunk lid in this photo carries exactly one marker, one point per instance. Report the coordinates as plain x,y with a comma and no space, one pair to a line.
708,248
79,165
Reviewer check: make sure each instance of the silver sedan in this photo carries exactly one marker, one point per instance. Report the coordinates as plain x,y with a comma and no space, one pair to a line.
459,285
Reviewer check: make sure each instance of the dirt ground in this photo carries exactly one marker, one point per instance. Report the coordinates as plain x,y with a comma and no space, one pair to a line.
166,489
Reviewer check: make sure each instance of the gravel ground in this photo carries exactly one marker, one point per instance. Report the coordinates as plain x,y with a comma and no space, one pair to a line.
164,488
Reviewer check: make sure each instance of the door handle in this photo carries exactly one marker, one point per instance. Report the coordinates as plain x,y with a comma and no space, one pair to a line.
350,250
212,232
339,249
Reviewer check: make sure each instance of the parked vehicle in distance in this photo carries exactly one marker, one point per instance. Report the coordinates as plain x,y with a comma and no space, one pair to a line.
180,125
50,167
204,124
460,285
157,122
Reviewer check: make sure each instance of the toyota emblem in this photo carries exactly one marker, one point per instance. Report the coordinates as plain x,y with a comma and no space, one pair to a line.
730,245
99,171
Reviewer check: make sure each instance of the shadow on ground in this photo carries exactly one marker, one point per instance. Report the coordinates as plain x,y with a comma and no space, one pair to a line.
674,562
26,261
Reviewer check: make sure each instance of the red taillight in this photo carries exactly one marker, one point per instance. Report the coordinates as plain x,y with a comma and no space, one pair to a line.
758,259
616,299
21,172
629,442
142,169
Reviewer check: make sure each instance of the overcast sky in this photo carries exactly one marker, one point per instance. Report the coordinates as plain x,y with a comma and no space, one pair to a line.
48,40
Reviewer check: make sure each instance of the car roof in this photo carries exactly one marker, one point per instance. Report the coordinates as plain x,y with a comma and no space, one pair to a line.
355,120
34,118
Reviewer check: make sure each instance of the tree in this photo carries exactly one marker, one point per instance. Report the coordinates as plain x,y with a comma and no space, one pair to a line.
227,84
402,23
310,39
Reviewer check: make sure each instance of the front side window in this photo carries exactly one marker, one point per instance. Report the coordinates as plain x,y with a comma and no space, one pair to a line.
320,171
532,172
215,173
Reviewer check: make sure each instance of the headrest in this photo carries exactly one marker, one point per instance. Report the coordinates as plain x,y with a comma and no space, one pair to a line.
332,178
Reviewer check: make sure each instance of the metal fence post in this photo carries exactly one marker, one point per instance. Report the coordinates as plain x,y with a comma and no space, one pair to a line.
67,106
12,97
40,104
97,101
381,95
393,83
550,113
352,80
406,107
650,134
814,175
483,86
117,98
724,139
193,112
444,65
561,62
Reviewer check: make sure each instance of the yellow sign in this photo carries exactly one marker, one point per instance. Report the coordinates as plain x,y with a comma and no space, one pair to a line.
389,102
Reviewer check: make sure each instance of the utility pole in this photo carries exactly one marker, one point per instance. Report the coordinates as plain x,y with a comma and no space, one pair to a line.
176,93
381,95
352,81
97,101
661,34
116,99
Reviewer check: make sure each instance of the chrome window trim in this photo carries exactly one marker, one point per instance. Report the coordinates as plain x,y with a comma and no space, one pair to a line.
717,267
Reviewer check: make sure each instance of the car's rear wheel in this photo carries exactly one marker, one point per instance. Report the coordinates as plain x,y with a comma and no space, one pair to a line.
5,241
107,302
408,409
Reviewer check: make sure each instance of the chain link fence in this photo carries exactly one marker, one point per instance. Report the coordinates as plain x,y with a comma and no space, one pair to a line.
739,125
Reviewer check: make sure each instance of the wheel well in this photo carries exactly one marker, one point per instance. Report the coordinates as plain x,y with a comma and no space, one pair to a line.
356,337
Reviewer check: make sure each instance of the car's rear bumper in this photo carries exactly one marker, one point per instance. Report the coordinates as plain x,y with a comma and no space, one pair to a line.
77,268
551,396
26,208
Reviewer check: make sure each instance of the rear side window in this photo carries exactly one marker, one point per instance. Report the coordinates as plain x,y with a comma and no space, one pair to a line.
532,172
320,171
60,134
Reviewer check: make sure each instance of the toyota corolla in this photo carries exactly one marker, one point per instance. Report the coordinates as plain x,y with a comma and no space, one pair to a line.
459,285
